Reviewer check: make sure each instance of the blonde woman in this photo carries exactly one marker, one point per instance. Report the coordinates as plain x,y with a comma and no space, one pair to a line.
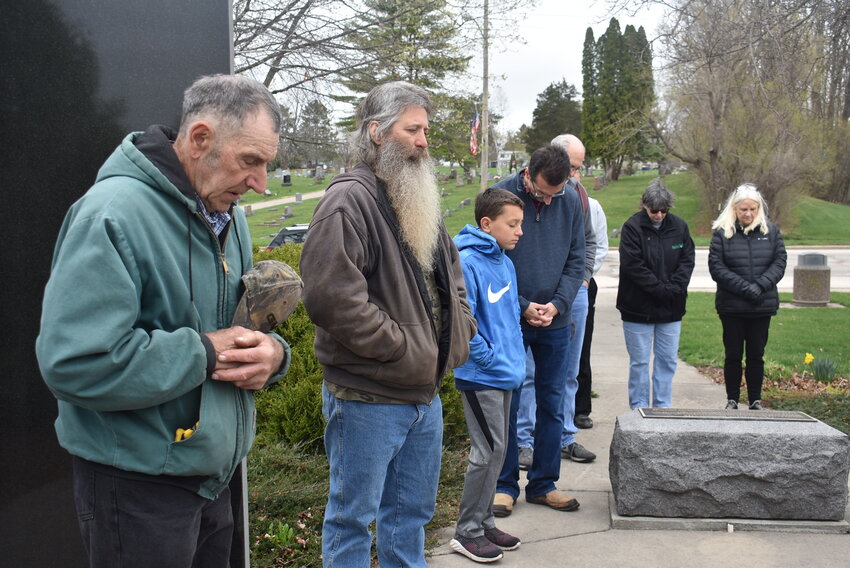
747,259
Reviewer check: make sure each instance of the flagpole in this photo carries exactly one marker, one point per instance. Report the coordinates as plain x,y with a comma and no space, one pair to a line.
485,110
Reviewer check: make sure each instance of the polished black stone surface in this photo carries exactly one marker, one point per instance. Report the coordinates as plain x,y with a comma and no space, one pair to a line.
75,77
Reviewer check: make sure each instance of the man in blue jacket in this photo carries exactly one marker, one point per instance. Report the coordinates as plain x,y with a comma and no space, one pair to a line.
549,261
155,387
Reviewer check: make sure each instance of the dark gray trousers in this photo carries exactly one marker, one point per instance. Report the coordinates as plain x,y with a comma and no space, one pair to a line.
131,520
487,414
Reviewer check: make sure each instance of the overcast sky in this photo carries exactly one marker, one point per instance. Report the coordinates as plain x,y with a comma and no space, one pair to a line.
554,33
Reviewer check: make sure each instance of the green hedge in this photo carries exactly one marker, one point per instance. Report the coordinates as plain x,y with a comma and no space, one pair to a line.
291,411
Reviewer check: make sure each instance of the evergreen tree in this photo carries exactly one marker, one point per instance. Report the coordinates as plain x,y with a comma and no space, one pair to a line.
411,40
558,111
618,97
313,140
448,136
589,106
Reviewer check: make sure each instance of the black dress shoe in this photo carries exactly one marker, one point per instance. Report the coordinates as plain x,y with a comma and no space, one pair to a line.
583,421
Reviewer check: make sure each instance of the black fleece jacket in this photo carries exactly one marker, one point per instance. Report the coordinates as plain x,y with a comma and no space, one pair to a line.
655,269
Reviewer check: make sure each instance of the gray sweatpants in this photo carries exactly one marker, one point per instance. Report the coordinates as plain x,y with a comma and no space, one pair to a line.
487,413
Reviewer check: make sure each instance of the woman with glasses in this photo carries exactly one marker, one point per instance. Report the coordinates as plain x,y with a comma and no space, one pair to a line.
656,262
747,259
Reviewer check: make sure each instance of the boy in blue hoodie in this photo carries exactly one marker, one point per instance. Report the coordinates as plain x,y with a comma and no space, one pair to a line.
495,367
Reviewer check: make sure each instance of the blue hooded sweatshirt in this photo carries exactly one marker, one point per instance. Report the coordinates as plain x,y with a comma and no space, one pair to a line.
496,354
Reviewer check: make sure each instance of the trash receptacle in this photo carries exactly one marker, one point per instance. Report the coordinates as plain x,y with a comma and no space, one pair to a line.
811,280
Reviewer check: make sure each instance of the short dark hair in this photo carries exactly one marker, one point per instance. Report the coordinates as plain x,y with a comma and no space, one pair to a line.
657,196
491,202
552,163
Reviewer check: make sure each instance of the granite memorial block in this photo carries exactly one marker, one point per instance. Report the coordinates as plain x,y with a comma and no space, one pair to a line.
728,464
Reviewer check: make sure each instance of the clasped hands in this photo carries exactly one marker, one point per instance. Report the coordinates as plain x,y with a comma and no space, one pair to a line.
540,315
244,357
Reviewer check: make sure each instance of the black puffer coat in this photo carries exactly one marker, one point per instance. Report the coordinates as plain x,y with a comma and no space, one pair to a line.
737,262
655,269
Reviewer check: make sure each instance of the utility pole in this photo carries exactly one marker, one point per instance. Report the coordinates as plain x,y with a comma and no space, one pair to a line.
485,110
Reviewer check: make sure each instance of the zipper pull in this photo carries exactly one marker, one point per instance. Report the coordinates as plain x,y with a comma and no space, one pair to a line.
224,264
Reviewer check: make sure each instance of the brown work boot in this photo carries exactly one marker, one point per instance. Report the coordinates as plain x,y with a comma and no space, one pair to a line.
558,500
503,505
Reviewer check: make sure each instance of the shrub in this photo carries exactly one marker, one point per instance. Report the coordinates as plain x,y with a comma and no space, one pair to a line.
454,421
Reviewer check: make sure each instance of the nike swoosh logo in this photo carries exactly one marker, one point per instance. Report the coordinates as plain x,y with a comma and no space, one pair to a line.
496,296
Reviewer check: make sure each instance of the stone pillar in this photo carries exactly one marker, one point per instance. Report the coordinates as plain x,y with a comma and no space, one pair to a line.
811,280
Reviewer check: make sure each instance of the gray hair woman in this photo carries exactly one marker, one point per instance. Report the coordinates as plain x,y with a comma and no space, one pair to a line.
747,259
656,262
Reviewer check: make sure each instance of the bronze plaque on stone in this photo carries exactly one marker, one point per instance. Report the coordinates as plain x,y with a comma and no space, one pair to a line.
712,414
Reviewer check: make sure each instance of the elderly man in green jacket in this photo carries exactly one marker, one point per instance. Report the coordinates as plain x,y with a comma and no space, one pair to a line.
155,386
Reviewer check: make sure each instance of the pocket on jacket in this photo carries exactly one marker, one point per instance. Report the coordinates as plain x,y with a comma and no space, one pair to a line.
418,366
210,450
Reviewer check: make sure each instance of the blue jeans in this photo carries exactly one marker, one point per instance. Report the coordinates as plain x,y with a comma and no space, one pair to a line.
528,408
384,465
663,339
550,358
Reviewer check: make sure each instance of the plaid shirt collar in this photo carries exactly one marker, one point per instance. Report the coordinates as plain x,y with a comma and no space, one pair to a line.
217,220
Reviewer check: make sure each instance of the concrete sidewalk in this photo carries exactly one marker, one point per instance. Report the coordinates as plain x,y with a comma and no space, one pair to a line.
587,539
284,200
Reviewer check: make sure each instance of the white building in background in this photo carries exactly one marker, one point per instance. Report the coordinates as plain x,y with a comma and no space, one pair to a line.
504,160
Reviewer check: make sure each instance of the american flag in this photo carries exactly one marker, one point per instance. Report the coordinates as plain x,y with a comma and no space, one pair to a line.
473,137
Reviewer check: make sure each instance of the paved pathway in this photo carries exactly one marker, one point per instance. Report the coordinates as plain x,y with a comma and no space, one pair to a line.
586,538
285,200
838,260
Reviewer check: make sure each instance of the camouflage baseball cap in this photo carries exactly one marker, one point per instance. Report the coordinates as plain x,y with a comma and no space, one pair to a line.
272,291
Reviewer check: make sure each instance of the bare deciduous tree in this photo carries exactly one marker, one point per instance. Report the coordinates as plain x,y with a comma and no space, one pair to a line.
755,92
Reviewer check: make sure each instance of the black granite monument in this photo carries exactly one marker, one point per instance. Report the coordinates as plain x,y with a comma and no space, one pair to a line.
77,75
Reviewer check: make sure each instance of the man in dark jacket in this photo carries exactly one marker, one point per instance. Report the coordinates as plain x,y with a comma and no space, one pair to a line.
384,285
656,263
570,448
549,261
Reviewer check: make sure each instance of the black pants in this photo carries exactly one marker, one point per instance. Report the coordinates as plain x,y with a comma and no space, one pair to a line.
133,520
740,334
585,375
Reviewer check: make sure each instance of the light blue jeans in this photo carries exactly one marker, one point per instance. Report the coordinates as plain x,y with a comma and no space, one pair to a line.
528,408
663,339
384,466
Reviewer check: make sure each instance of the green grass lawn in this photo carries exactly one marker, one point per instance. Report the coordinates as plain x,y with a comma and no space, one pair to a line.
819,222
794,332
265,223
814,222
621,199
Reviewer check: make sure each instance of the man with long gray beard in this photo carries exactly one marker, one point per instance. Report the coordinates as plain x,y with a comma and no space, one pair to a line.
384,286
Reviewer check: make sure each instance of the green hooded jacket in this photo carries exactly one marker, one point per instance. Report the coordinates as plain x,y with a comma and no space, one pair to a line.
137,275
